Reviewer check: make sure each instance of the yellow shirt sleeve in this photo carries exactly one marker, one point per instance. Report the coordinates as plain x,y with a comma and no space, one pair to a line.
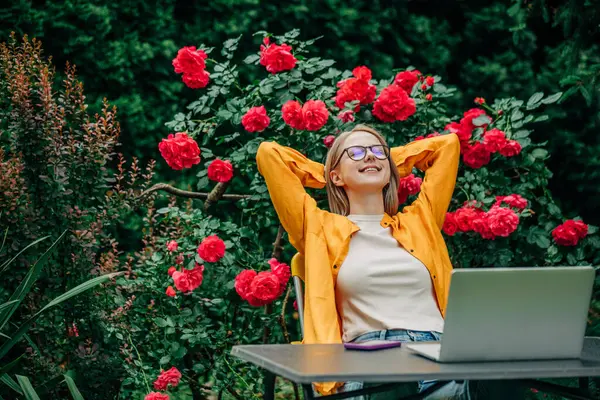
438,157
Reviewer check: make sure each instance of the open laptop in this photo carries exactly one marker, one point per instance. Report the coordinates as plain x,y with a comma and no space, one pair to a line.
497,314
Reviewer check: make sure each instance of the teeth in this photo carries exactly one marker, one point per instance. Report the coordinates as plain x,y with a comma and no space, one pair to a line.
370,169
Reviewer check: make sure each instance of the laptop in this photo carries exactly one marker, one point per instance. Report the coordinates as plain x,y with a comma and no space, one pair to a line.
501,314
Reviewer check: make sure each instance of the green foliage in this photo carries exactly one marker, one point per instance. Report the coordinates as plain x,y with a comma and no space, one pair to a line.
54,163
194,332
10,338
490,49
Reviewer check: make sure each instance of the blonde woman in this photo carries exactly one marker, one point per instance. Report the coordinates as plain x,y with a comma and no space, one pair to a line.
371,272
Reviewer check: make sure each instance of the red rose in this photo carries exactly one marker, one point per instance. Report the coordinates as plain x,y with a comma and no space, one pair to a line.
513,200
282,272
346,116
295,305
511,148
494,140
579,226
469,116
242,283
170,291
156,396
172,245
256,119
421,137
433,134
315,114
450,226
464,134
429,97
179,151
188,280
179,259
277,58
292,114
170,377
502,221
220,171
409,185
464,217
479,100
570,232
393,104
476,155
429,81
357,88
363,73
171,271
265,286
212,249
407,79
196,80
328,140
189,60
481,225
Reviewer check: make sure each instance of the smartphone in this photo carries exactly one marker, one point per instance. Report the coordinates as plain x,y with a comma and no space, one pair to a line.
372,345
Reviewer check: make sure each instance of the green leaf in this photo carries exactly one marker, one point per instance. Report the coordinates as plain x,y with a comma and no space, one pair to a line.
28,390
161,322
542,241
542,118
7,263
481,120
516,115
8,366
202,183
539,153
520,134
10,382
224,114
552,99
164,359
554,210
586,95
534,100
75,393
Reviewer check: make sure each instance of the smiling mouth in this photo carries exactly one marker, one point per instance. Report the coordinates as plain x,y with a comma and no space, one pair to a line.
370,169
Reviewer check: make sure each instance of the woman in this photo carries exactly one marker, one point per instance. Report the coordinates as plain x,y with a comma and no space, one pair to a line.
371,272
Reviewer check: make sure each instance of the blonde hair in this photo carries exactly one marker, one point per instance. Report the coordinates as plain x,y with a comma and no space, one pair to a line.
338,199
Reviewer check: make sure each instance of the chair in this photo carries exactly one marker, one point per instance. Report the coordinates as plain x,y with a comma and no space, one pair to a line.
297,266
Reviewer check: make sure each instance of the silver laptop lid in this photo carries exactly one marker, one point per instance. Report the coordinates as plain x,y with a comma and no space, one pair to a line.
516,313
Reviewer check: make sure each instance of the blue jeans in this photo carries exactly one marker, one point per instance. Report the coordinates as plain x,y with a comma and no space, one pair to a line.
463,390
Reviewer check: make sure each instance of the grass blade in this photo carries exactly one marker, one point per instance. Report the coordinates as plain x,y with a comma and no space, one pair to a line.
28,390
7,263
73,388
10,382
25,285
7,367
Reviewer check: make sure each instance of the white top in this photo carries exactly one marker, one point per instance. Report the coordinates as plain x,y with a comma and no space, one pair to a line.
380,285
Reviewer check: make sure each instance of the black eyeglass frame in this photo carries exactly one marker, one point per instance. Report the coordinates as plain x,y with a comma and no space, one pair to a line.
386,151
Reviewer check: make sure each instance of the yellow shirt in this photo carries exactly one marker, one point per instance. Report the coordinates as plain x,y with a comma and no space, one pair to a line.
323,238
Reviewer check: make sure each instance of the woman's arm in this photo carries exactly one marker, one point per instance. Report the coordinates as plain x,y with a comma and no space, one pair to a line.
438,157
287,172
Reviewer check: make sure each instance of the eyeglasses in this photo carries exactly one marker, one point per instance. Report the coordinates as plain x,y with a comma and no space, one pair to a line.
357,153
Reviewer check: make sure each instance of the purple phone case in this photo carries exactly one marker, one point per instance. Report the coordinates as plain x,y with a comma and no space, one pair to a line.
374,346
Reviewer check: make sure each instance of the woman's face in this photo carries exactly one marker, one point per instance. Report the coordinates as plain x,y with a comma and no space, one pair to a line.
369,174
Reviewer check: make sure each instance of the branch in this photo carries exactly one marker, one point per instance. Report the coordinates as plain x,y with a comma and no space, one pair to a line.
277,249
277,246
193,195
282,316
215,194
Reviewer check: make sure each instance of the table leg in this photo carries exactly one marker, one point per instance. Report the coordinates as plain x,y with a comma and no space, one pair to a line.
269,383
308,391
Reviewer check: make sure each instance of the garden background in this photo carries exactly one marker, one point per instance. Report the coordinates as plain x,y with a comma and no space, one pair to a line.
75,186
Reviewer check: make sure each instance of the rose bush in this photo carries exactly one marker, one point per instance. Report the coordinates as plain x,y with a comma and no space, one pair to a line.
502,213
